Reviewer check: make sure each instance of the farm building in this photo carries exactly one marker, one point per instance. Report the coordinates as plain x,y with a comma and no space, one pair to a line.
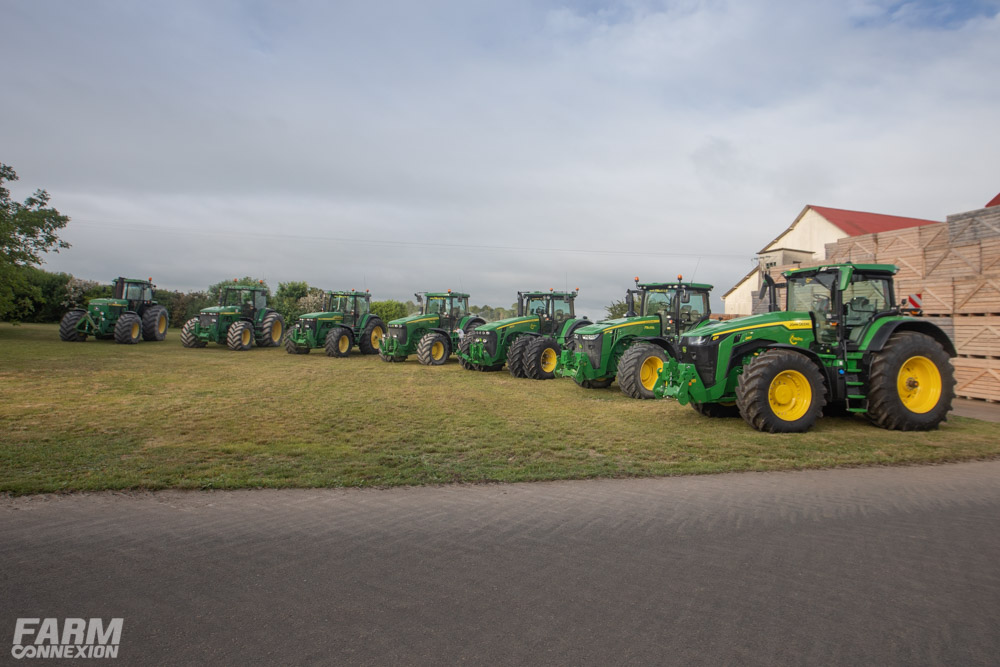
804,243
952,268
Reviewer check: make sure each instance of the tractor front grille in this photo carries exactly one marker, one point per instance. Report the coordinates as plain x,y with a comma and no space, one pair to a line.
592,348
206,320
488,339
398,333
307,325
705,358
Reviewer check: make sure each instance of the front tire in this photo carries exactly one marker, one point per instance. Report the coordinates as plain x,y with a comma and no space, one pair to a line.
154,323
781,392
911,383
463,349
338,342
515,356
292,348
239,337
391,358
434,349
371,336
639,369
188,336
541,356
67,327
128,329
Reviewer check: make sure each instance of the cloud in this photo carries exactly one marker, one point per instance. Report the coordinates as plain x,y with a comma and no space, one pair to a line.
414,146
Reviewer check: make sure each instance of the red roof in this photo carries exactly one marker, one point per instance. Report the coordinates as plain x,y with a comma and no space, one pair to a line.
856,223
994,202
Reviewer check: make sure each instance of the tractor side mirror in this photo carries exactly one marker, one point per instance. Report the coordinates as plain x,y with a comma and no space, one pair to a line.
630,304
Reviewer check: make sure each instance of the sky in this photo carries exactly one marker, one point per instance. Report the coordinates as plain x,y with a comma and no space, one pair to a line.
489,146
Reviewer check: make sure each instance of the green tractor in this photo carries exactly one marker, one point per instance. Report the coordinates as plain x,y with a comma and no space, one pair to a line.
633,349
130,315
530,343
841,343
434,334
345,320
241,319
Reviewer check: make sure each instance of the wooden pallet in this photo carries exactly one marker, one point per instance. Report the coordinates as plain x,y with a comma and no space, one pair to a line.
977,335
977,378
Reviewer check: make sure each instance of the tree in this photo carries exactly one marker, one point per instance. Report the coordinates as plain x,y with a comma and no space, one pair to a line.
27,231
389,310
247,281
616,309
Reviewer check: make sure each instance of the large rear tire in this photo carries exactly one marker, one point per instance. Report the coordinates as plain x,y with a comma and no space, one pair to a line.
67,327
639,369
541,356
338,342
188,337
434,349
128,329
272,330
154,323
463,349
781,391
239,337
371,336
911,383
515,356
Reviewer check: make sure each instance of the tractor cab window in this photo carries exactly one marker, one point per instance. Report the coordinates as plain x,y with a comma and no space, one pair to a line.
562,308
363,306
694,306
538,305
657,302
459,306
437,305
136,292
338,304
814,293
862,299
259,300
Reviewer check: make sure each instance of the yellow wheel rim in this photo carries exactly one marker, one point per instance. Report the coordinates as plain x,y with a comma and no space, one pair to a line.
135,330
789,395
161,324
437,350
919,384
549,360
245,336
276,331
649,371
377,334
344,344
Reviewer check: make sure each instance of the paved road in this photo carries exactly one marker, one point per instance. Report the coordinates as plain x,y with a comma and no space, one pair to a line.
886,566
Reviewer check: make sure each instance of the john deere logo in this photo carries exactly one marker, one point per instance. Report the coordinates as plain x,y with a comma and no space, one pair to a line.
794,340
649,328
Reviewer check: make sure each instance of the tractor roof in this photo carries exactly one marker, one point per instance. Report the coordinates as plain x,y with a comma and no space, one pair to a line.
445,294
884,268
675,285
543,293
255,288
144,281
348,293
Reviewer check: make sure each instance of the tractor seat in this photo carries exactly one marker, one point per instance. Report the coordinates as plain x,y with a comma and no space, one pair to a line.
686,314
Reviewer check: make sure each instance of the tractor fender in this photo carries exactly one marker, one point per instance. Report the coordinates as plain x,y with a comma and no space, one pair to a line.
443,332
471,322
570,327
881,336
668,346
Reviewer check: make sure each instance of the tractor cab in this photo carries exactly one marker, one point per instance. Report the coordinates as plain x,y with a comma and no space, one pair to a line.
353,305
842,301
679,306
137,292
551,308
249,300
451,307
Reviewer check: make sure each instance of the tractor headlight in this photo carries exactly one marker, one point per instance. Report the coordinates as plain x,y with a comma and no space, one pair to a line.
590,336
699,340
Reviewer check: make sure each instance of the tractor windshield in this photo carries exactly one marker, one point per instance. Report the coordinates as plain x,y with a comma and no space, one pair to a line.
657,302
340,304
865,297
138,292
537,305
436,305
562,308
812,292
363,306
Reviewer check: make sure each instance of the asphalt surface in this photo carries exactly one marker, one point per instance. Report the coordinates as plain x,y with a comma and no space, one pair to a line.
875,566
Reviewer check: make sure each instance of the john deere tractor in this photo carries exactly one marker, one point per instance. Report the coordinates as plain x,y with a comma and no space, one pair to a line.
841,342
241,319
435,333
345,320
530,343
633,349
130,315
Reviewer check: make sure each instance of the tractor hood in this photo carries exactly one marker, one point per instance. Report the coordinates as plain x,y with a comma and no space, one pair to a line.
335,317
529,322
232,310
791,320
619,322
107,302
426,320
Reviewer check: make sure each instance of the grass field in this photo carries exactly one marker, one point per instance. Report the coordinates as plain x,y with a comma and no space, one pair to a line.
97,415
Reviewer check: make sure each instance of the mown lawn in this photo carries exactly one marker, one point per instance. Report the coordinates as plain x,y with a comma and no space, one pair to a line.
97,415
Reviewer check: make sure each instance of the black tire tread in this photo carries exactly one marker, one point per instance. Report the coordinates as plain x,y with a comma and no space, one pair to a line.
885,409
752,388
515,356
365,344
150,319
425,345
188,339
630,365
234,337
331,344
67,326
533,357
123,329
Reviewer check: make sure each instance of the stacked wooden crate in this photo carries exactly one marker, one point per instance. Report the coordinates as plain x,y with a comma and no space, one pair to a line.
955,267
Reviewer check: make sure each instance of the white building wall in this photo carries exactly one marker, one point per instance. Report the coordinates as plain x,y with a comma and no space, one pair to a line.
740,300
812,233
